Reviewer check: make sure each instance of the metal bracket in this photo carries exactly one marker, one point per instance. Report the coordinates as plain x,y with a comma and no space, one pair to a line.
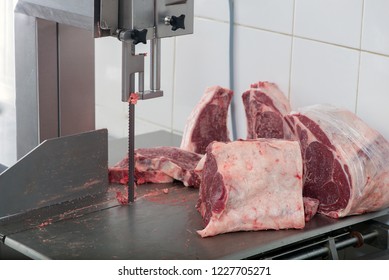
333,252
109,19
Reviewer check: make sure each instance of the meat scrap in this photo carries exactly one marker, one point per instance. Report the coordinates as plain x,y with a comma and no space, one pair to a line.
118,174
159,165
208,120
310,207
251,185
265,106
122,197
172,161
345,161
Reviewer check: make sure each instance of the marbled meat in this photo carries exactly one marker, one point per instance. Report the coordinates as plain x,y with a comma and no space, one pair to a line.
265,107
159,165
251,185
345,161
208,120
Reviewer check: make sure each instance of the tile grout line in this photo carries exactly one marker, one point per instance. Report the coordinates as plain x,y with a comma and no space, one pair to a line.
360,57
291,51
244,25
298,37
340,46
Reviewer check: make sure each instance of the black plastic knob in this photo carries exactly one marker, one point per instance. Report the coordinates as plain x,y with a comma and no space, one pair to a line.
136,36
177,22
139,36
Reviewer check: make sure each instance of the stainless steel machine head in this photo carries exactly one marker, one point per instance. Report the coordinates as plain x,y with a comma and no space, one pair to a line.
54,48
54,51
136,22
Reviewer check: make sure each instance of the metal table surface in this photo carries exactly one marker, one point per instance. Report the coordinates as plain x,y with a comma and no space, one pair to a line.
160,224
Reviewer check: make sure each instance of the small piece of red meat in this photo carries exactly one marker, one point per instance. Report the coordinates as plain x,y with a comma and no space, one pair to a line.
159,165
310,207
265,106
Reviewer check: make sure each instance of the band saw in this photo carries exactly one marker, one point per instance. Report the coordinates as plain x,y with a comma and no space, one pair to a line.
56,202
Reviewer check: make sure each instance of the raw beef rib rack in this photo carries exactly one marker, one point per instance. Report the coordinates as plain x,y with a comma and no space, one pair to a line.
345,161
208,120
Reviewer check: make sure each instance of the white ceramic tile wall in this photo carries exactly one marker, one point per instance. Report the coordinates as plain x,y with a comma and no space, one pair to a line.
317,51
375,36
373,96
201,61
323,73
273,15
270,63
333,21
212,9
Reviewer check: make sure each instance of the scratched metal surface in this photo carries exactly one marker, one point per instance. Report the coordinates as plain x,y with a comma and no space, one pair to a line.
58,170
161,224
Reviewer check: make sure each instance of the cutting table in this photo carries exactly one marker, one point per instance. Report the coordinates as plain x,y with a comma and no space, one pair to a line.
162,224
56,202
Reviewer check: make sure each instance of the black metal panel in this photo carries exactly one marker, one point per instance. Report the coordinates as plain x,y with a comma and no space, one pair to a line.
58,170
382,255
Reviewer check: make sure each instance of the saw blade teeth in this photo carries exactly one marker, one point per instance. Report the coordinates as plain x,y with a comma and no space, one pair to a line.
131,148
